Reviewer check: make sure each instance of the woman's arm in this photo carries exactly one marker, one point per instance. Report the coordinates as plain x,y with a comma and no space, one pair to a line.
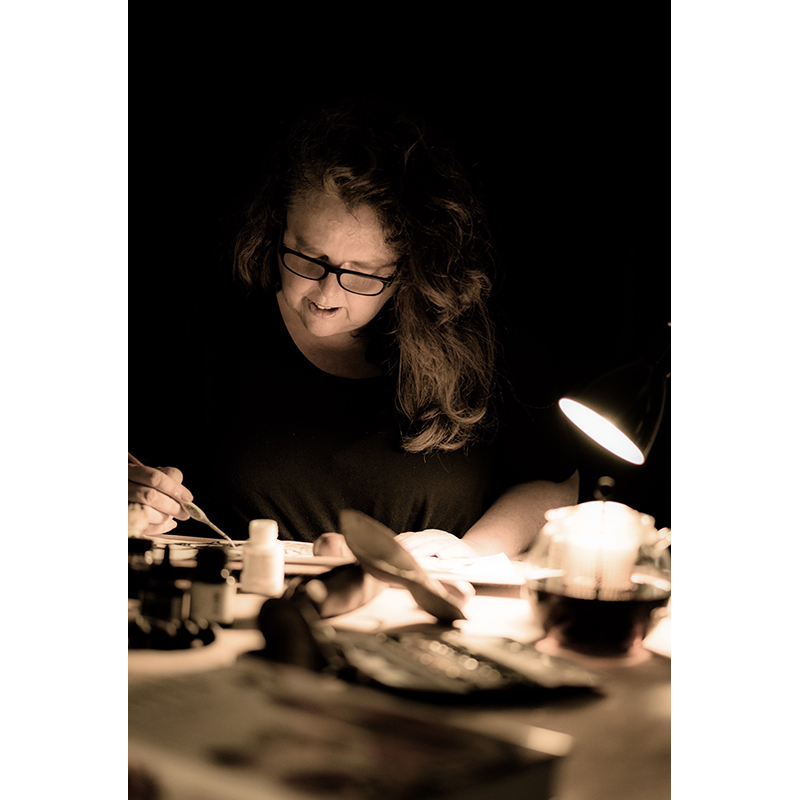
509,526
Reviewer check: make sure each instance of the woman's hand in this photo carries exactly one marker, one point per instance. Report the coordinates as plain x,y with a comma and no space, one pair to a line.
332,545
161,492
433,542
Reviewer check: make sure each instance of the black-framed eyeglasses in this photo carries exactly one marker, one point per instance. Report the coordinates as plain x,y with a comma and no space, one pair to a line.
315,270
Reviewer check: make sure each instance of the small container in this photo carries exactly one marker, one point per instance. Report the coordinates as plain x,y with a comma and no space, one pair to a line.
262,560
165,594
213,589
140,559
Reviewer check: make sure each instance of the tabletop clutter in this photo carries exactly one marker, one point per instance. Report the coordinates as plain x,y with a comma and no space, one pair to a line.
596,579
326,706
176,603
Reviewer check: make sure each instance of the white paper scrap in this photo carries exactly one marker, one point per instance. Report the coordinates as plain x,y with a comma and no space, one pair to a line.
489,569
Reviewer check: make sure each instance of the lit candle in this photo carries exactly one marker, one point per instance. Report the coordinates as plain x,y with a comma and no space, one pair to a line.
600,549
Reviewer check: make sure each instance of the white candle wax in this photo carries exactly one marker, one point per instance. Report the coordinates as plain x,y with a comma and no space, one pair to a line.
599,563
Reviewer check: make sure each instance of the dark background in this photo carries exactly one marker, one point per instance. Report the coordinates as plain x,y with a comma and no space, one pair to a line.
571,162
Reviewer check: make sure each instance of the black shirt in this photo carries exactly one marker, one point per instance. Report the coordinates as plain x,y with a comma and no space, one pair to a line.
272,436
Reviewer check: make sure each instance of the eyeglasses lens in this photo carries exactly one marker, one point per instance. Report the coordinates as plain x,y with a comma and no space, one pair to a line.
358,284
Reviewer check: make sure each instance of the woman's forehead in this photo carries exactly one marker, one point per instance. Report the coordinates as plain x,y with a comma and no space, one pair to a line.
323,220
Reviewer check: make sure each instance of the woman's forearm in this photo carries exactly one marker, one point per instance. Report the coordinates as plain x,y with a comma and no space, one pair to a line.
510,525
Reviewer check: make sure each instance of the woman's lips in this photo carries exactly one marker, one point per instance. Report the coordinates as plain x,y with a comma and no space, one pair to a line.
324,312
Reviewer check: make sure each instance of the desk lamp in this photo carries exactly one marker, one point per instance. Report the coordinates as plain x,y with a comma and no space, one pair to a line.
622,410
601,569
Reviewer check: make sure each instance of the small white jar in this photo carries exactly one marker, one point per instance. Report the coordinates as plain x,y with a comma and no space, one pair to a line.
262,560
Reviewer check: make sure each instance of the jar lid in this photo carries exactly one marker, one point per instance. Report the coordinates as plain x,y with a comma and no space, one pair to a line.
263,531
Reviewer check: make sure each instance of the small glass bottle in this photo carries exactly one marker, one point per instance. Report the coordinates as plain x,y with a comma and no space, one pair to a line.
164,595
140,559
213,589
262,560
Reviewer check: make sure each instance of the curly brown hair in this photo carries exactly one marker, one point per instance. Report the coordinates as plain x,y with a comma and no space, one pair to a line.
435,336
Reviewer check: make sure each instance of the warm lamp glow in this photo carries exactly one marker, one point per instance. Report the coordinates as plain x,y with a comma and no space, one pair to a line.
602,431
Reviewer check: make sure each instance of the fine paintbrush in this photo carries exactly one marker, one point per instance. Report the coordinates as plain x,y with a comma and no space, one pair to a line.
194,511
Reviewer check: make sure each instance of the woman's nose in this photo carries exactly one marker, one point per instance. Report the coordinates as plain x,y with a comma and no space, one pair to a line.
329,285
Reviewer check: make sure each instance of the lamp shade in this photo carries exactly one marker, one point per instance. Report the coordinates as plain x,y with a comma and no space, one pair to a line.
622,410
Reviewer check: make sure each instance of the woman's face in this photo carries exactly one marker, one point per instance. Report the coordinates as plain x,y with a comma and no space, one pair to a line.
320,226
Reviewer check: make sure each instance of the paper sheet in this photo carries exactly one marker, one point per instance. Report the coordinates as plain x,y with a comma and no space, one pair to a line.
496,569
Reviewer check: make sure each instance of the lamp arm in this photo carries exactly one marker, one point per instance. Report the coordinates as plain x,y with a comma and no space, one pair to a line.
662,353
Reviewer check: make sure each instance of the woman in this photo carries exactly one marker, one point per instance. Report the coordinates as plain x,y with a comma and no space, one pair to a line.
360,369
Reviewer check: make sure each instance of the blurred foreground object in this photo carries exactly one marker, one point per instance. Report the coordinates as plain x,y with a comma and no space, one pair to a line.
258,729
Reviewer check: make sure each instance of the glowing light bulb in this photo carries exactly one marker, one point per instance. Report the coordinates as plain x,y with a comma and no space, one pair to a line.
602,431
